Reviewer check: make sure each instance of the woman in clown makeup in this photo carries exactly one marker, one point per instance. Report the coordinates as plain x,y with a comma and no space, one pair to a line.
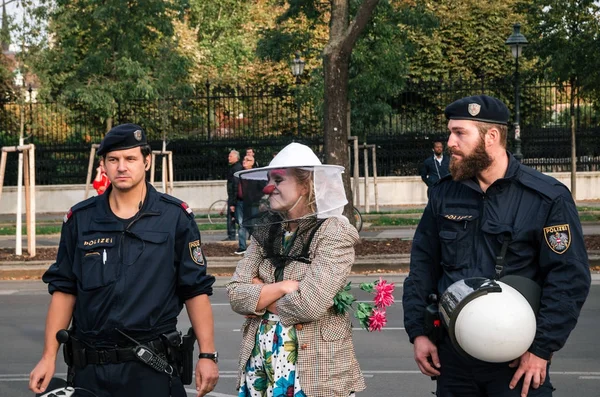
300,255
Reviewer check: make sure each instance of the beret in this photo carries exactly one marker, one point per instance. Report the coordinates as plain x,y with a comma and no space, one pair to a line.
478,108
124,136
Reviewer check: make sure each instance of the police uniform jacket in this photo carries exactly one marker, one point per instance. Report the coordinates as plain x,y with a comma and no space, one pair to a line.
326,363
133,275
463,229
432,171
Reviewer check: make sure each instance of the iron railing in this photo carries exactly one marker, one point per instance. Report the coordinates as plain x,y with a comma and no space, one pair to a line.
201,129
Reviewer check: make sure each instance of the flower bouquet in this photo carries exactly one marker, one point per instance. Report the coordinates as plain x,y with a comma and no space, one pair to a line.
371,316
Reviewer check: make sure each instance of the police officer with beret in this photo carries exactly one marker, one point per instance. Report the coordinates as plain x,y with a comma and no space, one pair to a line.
490,207
127,262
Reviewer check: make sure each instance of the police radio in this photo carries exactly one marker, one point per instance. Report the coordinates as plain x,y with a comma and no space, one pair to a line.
148,357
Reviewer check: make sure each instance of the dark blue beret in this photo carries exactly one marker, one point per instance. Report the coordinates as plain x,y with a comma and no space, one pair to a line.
478,108
124,136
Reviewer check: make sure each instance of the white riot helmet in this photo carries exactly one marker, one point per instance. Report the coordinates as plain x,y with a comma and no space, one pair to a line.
488,319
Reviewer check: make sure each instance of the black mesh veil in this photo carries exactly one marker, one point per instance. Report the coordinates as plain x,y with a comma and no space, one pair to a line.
271,236
281,238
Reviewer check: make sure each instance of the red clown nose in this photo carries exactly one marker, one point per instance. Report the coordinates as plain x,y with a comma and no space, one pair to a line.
268,189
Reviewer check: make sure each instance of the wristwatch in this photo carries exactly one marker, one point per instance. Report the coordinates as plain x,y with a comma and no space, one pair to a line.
213,356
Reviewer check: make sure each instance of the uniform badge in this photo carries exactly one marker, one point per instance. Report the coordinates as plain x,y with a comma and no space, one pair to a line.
558,238
186,208
196,253
474,109
67,216
137,134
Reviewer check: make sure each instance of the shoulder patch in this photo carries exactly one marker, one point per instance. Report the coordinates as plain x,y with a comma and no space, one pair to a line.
68,215
186,208
196,252
79,206
558,238
181,204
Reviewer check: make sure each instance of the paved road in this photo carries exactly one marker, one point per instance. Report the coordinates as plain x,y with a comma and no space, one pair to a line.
386,357
209,236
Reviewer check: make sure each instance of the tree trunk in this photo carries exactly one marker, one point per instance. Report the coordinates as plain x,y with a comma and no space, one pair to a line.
336,67
336,64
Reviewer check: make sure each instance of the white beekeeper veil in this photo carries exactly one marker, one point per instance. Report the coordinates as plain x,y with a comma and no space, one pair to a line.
330,197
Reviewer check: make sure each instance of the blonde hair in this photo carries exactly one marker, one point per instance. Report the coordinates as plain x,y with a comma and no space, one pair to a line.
305,179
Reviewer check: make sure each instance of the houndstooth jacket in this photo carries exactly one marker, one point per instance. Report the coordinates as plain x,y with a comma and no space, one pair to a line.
326,364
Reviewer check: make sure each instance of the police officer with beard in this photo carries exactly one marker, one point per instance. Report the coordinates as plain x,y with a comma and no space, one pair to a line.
127,262
491,201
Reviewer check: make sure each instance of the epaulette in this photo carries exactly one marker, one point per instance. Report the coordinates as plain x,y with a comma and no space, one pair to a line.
79,206
181,204
541,183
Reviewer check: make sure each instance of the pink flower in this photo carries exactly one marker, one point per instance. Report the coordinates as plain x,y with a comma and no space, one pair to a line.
377,320
383,296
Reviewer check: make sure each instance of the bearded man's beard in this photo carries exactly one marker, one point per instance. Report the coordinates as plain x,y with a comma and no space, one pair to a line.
469,166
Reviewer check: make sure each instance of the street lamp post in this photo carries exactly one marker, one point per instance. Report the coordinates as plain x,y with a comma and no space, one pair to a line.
517,41
297,66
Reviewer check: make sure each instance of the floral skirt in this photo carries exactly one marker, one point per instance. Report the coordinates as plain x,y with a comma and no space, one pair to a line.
271,369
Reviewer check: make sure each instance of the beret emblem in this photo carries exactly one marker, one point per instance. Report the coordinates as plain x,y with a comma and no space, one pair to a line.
137,134
474,109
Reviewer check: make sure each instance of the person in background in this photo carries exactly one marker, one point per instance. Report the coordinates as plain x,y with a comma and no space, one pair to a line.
299,258
232,192
240,209
101,180
250,152
435,167
251,190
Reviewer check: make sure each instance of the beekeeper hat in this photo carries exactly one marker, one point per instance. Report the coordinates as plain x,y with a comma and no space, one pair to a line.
330,196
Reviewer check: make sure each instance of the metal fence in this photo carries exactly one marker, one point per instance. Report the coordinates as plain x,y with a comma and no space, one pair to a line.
201,129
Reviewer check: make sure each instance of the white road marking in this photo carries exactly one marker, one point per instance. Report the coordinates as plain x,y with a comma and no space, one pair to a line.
233,374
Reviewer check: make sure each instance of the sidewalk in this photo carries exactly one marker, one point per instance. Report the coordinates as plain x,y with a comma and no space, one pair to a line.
222,266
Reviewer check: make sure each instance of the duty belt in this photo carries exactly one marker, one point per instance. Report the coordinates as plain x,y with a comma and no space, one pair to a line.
171,353
83,355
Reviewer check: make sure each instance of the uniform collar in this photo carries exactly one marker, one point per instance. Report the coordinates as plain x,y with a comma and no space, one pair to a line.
149,201
513,166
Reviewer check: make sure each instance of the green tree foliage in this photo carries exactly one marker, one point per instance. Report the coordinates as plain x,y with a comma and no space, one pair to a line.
221,38
469,41
102,53
7,92
378,62
227,33
381,58
565,34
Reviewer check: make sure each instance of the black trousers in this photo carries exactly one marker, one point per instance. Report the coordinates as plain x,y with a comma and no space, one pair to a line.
127,379
468,377
231,226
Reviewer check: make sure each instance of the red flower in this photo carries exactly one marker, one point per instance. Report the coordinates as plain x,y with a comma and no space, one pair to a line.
384,297
377,320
